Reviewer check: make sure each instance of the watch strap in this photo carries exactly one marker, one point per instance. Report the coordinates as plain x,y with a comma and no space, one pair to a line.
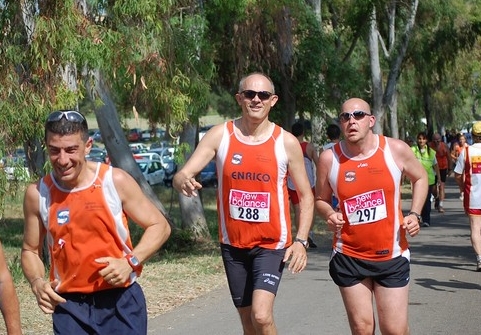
418,216
305,243
134,263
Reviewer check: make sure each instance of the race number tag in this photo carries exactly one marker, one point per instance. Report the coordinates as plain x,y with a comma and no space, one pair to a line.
476,164
366,208
249,206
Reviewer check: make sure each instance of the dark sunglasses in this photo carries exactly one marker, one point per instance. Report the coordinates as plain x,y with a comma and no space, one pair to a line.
263,95
71,116
357,115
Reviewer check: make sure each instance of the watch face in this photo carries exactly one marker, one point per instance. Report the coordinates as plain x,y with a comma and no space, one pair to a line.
134,261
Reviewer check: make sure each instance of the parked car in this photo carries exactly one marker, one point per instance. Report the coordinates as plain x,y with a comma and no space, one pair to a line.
148,135
159,145
138,147
147,155
134,135
208,175
15,167
152,170
168,163
95,135
97,155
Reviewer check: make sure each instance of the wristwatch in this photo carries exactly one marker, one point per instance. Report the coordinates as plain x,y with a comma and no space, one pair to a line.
305,243
134,263
419,217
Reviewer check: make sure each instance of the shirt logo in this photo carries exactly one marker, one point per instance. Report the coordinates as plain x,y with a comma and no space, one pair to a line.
236,159
63,217
350,176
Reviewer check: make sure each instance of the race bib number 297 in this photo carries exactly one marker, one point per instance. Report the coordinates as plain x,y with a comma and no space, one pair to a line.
366,208
249,206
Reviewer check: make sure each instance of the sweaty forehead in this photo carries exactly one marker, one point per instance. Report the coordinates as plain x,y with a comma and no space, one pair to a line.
257,83
355,105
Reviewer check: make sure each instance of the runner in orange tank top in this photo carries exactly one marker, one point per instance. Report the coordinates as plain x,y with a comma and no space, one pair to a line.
81,209
370,259
253,157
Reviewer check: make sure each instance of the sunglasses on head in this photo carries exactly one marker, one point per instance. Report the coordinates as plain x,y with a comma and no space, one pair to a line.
71,116
263,95
357,115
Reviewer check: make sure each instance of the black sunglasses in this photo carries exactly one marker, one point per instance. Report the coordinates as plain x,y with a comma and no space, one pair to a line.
357,115
263,95
71,116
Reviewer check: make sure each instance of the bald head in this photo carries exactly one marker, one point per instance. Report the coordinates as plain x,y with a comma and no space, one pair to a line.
257,78
356,104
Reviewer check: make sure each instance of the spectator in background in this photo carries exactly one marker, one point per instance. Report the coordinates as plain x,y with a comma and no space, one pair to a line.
333,133
468,176
427,157
458,146
443,157
310,160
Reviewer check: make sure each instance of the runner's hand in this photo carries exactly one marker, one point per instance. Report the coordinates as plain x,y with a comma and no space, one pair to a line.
47,298
335,221
298,255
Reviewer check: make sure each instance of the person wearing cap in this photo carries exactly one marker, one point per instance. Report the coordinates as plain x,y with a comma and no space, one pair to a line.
82,209
468,176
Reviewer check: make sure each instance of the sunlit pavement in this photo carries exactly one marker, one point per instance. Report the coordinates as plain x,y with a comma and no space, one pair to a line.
445,291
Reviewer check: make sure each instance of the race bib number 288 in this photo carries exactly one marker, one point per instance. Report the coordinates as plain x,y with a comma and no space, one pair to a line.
366,208
249,206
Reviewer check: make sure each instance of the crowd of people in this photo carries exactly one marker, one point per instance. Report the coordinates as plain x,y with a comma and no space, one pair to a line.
81,209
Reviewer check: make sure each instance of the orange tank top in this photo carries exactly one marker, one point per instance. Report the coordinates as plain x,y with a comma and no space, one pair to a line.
252,195
82,225
370,200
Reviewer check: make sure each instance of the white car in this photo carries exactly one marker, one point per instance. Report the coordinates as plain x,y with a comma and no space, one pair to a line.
147,155
15,168
138,147
152,170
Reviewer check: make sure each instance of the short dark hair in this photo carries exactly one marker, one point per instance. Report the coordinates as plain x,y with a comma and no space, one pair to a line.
66,127
297,129
333,132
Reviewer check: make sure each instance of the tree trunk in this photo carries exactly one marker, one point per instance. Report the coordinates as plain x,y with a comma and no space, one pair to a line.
284,41
376,74
191,209
114,137
393,112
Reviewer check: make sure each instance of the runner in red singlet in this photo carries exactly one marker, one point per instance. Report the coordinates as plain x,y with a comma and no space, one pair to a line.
253,157
370,259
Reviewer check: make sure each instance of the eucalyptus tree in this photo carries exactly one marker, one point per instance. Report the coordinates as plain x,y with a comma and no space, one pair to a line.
445,62
280,38
140,55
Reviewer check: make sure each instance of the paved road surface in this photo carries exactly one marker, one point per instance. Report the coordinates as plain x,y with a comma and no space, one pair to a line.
445,291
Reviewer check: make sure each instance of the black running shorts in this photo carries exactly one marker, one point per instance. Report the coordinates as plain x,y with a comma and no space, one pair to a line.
348,271
251,269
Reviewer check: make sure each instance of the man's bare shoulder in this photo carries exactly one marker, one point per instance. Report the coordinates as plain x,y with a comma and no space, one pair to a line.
397,144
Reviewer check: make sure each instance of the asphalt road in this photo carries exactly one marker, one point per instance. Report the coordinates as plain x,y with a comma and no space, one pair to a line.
445,290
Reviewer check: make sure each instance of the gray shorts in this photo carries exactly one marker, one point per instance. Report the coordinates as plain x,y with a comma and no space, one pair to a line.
251,269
